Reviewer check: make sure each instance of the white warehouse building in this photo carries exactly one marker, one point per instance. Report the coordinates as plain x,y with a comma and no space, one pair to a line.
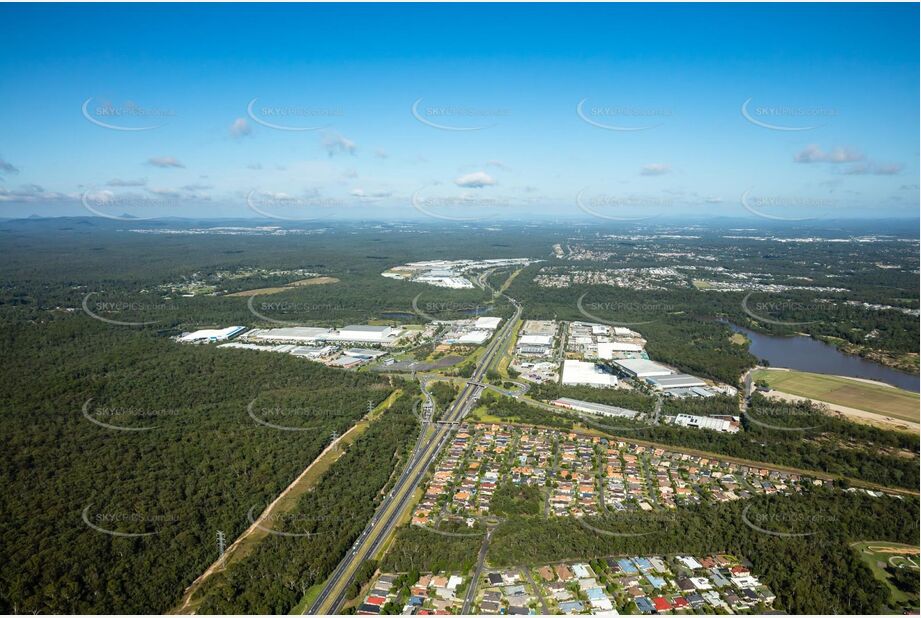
607,349
487,323
642,368
365,334
706,422
211,334
589,374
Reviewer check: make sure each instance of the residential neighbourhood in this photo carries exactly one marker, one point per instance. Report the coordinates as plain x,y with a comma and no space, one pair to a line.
718,583
582,475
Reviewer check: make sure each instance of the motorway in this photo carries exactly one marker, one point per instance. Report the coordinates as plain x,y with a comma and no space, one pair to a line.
389,513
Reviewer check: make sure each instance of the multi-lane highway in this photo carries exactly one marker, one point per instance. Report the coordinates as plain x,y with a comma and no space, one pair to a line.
389,513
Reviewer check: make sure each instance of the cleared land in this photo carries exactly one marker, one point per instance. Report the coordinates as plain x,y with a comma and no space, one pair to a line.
738,339
293,284
859,394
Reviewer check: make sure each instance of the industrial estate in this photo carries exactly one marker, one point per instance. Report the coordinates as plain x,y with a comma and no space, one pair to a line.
466,456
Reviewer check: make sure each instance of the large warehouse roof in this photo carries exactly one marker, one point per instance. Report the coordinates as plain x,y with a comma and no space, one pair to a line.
209,334
643,368
606,350
535,340
294,333
594,408
366,328
487,323
475,337
579,372
679,380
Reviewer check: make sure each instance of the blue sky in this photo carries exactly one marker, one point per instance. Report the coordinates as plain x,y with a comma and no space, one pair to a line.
831,127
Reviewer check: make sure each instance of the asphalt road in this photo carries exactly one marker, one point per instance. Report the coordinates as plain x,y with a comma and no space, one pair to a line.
477,573
388,514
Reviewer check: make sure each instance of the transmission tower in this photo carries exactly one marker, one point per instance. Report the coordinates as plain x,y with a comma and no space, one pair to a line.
220,543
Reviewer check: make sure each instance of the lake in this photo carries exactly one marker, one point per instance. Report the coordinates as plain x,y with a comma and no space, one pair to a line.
807,354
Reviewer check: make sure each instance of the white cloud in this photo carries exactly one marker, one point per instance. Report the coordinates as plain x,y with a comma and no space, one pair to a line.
164,192
254,166
240,128
380,154
475,180
31,193
497,164
840,154
164,162
874,169
362,194
335,144
120,182
655,169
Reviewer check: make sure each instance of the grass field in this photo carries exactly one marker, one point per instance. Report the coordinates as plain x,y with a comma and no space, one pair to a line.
877,554
886,400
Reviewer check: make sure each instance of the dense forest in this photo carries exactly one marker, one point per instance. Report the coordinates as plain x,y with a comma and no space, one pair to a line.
276,575
199,468
416,548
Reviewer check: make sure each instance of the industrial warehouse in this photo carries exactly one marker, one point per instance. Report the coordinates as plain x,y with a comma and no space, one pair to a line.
594,408
581,373
211,335
354,333
469,332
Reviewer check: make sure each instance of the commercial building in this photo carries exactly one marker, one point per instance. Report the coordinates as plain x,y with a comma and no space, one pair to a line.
209,335
312,351
365,334
534,345
696,391
445,281
363,353
542,340
642,368
594,408
608,349
677,380
474,337
354,333
714,423
589,374
307,334
487,323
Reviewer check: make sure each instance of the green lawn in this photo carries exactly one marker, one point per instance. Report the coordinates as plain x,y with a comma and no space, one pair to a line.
876,554
887,400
